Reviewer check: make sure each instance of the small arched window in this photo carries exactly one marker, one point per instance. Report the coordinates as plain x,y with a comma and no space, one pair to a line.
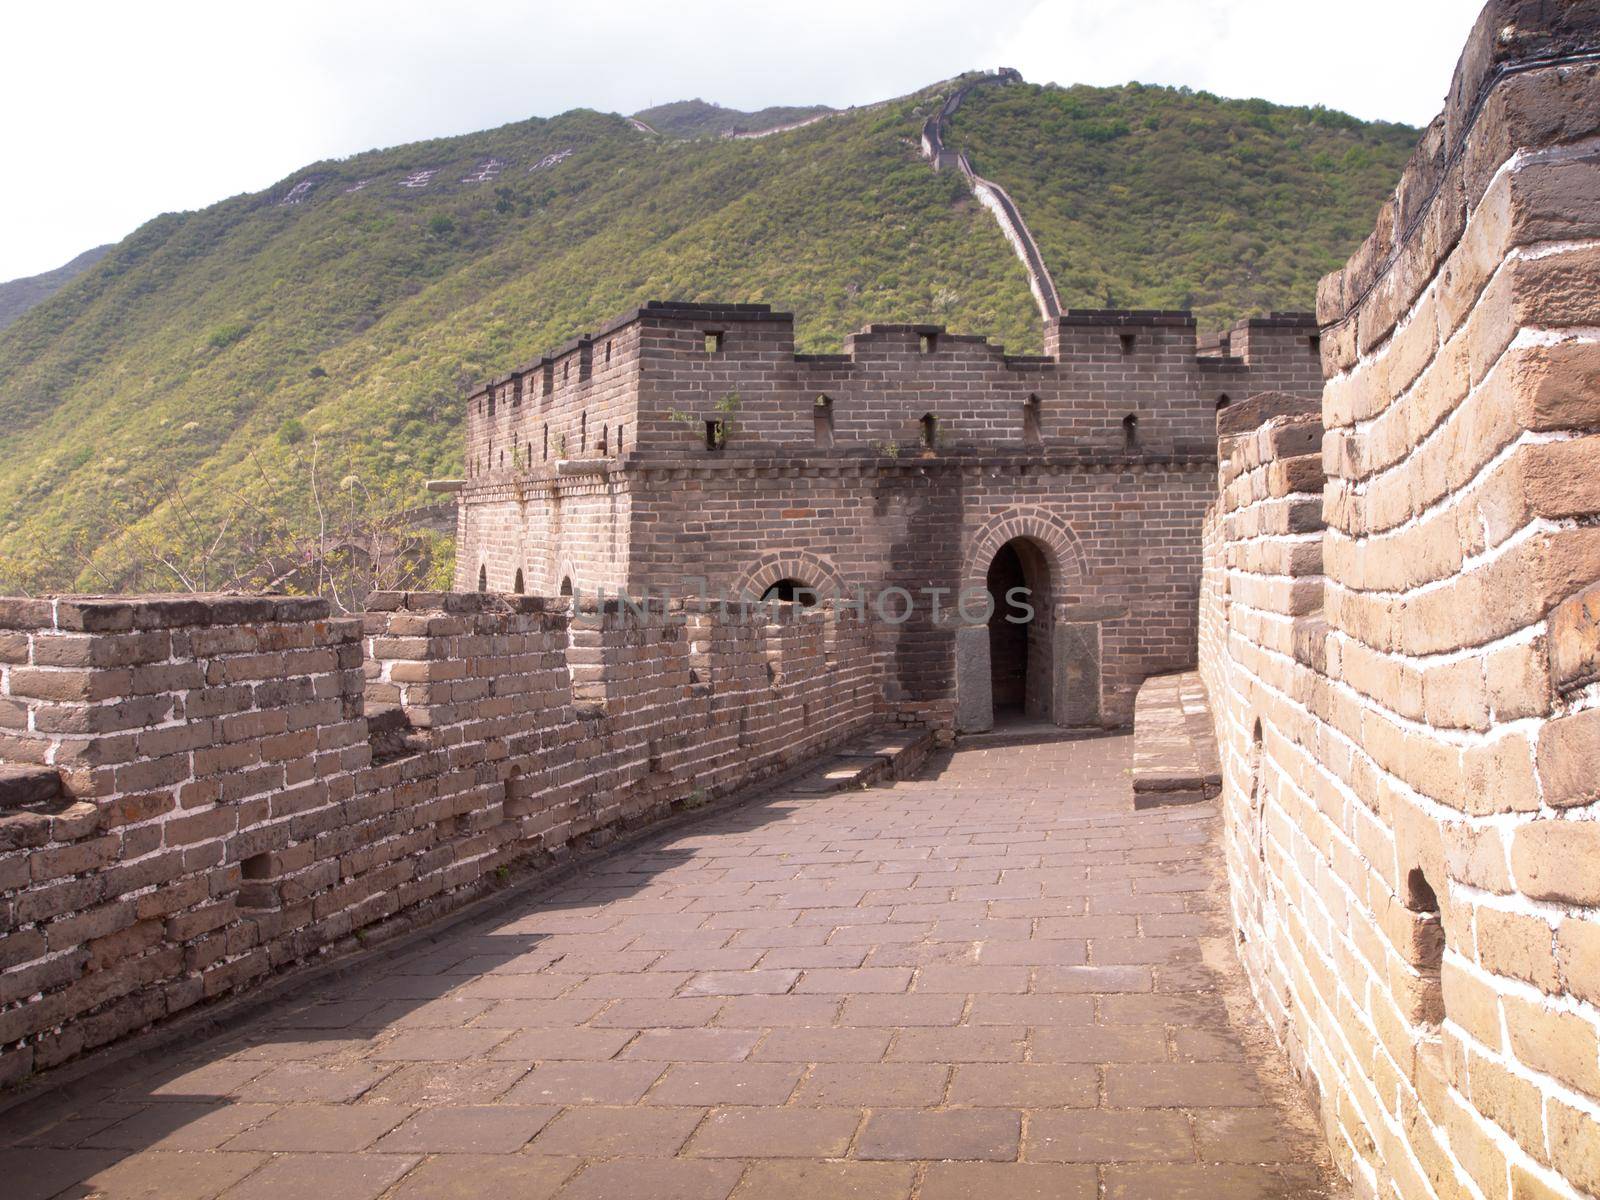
516,584
1223,401
930,430
566,585
1130,432
483,579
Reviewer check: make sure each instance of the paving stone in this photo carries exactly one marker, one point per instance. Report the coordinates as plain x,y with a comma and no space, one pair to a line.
655,1179
1099,1044
1192,1182
775,1133
726,1083
693,1045
1110,1135
321,1127
37,1174
859,980
312,1082
439,1045
874,1085
175,1175
972,1134
979,1043
1024,1085
1009,1181
321,1177
476,1176
564,1043
447,1083
468,1129
585,1083
685,1012
1182,1085
813,1045
827,1180
897,1012
608,1132
200,1126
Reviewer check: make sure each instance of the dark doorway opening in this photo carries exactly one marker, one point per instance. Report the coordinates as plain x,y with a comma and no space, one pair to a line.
792,590
1020,667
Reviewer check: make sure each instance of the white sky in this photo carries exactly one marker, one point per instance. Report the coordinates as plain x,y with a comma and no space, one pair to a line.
116,111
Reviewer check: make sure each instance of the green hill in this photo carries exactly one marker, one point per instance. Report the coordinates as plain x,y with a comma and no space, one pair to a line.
17,296
172,406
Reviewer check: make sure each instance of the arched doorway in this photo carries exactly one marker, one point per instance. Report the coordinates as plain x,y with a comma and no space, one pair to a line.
1020,667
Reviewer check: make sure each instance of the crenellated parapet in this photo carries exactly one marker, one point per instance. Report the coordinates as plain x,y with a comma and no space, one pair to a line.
199,791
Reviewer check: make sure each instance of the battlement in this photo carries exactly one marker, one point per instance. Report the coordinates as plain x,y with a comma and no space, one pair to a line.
672,378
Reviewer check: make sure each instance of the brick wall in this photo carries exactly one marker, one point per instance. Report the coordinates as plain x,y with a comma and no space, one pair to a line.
1399,637
246,782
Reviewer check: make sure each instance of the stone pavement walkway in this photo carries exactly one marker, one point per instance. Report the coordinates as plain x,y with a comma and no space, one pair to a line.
995,981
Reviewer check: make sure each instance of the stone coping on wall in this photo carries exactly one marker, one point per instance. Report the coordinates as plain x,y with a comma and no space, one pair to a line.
1174,749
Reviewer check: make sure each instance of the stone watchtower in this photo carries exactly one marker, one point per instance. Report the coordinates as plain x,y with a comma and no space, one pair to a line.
687,447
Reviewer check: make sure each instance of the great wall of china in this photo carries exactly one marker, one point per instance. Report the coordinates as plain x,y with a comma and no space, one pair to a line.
1398,587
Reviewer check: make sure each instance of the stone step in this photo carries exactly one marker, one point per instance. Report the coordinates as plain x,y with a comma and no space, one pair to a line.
879,757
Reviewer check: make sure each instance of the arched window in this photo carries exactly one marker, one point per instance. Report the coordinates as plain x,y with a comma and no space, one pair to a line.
1130,432
1223,401
930,430
566,585
483,579
516,584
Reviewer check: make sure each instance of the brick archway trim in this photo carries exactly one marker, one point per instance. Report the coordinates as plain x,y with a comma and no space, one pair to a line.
813,570
1061,547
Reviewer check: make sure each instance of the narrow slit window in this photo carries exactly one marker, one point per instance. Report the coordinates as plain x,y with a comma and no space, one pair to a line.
1130,432
1129,341
714,434
930,430
516,392
1031,431
583,432
822,422
608,351
547,443
483,578
1427,955
1315,343
619,441
516,584
491,402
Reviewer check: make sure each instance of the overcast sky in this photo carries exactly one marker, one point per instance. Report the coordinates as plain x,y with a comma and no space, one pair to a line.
116,111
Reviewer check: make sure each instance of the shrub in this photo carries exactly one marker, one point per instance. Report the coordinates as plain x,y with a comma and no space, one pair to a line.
224,336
